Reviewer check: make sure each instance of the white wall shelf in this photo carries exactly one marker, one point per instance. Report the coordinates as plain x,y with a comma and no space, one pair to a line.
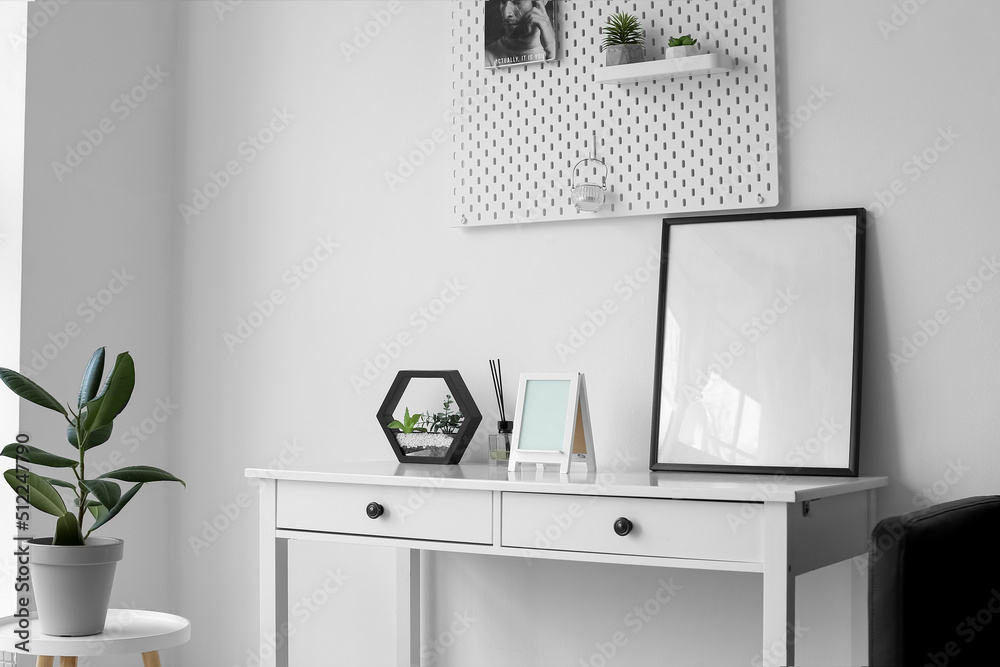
668,68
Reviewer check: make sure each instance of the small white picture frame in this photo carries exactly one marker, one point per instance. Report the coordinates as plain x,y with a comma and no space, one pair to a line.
552,422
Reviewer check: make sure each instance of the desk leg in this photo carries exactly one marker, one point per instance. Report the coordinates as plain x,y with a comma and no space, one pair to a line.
408,608
273,582
779,589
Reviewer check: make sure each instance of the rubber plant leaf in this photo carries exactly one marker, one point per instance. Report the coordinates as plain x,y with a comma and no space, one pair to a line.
97,437
91,378
117,391
58,482
113,512
141,474
29,391
41,495
107,493
36,456
68,531
97,509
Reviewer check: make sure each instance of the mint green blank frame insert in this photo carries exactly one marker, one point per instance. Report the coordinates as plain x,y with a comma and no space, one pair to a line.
552,422
543,423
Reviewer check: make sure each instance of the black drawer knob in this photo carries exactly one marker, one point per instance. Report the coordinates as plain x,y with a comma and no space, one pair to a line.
374,510
623,526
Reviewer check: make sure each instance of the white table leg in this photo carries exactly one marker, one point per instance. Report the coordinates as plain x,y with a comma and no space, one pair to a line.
273,582
779,588
408,608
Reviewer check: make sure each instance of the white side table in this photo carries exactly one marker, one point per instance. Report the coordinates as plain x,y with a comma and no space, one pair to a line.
126,631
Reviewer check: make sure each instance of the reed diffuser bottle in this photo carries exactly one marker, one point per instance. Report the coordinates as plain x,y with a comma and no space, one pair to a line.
500,441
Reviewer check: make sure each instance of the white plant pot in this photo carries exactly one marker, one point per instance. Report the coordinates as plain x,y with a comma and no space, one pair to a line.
681,51
72,585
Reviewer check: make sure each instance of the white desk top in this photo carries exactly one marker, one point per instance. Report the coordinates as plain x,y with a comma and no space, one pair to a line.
125,631
680,485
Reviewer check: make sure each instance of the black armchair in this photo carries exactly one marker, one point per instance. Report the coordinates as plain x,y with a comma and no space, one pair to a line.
934,586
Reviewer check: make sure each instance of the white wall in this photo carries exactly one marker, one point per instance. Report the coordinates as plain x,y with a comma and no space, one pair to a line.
284,394
110,214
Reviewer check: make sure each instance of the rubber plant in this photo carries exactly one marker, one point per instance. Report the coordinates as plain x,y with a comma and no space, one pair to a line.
622,29
89,425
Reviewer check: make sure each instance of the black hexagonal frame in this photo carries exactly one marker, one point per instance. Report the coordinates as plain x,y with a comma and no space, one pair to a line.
463,399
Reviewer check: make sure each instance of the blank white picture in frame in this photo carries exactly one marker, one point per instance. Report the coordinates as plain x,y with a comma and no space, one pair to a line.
552,421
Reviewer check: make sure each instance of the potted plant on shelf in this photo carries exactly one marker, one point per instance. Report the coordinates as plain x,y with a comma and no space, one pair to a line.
681,47
623,40
72,572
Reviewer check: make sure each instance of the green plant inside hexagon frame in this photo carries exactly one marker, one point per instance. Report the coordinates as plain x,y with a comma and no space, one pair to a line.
441,446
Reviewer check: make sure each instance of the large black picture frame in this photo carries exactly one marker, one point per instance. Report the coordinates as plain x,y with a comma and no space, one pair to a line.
715,264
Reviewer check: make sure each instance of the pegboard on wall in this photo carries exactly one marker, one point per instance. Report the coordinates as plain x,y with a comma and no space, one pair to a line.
674,146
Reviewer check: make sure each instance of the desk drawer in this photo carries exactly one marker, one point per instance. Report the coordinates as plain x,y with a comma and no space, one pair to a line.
410,512
704,530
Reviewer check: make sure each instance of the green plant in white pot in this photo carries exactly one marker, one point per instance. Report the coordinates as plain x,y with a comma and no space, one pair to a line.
624,40
681,47
72,572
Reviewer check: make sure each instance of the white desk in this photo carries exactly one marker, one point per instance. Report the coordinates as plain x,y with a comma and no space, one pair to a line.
775,526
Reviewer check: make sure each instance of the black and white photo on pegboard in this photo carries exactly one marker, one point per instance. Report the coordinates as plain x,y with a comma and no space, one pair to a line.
672,146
